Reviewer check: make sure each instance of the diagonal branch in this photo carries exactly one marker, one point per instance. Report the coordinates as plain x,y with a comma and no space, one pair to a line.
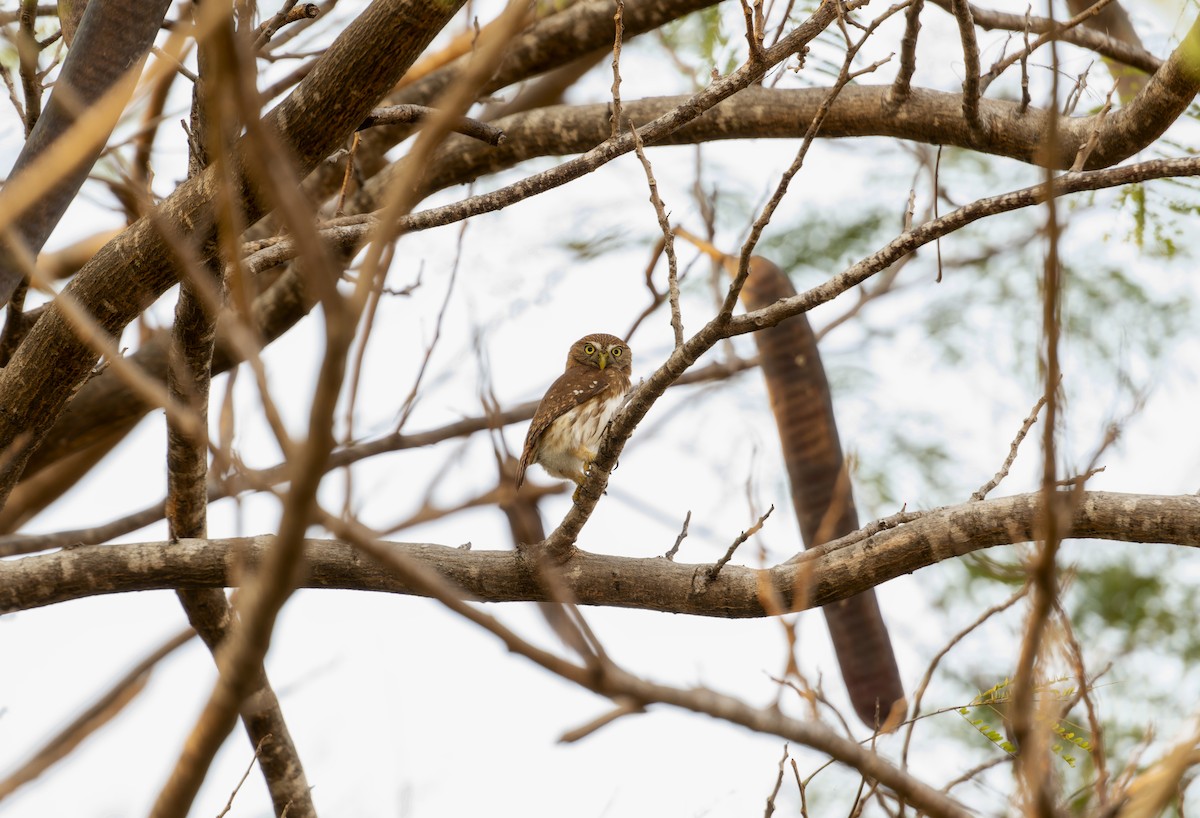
52,363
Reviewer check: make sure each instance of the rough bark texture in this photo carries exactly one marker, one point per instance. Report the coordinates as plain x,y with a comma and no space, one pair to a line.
827,573
138,266
859,111
113,37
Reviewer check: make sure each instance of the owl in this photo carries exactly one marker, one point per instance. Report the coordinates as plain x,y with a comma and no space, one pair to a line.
574,412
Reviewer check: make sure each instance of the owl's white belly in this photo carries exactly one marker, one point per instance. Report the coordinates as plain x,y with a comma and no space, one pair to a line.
570,444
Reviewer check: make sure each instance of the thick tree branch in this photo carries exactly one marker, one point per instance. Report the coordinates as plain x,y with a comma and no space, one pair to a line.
324,109
825,574
753,112
110,43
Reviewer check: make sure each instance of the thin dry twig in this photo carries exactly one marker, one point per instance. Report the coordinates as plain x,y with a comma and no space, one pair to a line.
583,731
245,775
1084,692
1054,31
619,20
410,400
987,487
664,224
1093,139
770,810
408,114
919,694
682,536
716,567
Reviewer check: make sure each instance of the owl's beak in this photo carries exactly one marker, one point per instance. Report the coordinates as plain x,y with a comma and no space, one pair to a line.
603,360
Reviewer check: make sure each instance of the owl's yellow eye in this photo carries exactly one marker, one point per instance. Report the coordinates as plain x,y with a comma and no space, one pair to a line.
588,349
616,352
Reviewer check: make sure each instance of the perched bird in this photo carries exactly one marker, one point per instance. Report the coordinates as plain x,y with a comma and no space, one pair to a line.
574,412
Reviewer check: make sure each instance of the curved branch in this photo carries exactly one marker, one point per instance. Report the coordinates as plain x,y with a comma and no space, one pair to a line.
825,574
1092,39
933,117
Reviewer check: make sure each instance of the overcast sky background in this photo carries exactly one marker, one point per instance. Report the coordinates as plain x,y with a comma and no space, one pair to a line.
399,708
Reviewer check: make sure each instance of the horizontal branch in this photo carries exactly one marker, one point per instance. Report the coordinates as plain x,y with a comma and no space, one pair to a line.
1088,38
831,572
931,117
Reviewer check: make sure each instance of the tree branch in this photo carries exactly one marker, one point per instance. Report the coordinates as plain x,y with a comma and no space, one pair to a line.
825,574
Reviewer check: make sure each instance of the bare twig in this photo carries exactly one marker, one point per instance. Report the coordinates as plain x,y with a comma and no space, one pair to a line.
619,20
664,224
679,540
983,490
245,775
716,567
1094,138
583,731
919,694
288,13
407,114
770,810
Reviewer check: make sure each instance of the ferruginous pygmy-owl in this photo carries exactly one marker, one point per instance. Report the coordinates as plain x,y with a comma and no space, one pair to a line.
574,412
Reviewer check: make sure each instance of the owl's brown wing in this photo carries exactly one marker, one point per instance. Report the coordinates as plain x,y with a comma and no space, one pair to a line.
577,385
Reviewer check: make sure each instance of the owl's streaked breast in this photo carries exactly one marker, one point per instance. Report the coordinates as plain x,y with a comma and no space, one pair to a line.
576,434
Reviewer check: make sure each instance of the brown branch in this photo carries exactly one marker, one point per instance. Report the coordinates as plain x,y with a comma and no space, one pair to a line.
408,114
553,41
243,650
288,14
961,10
606,678
1112,48
215,119
936,228
1013,448
813,578
908,54
375,47
110,40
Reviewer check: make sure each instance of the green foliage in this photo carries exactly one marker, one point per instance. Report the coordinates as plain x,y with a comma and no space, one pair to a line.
1138,601
702,40
825,241
996,698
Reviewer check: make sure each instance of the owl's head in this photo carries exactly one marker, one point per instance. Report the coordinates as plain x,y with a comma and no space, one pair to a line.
600,351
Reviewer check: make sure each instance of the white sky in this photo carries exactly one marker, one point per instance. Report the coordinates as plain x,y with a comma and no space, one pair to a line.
397,707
